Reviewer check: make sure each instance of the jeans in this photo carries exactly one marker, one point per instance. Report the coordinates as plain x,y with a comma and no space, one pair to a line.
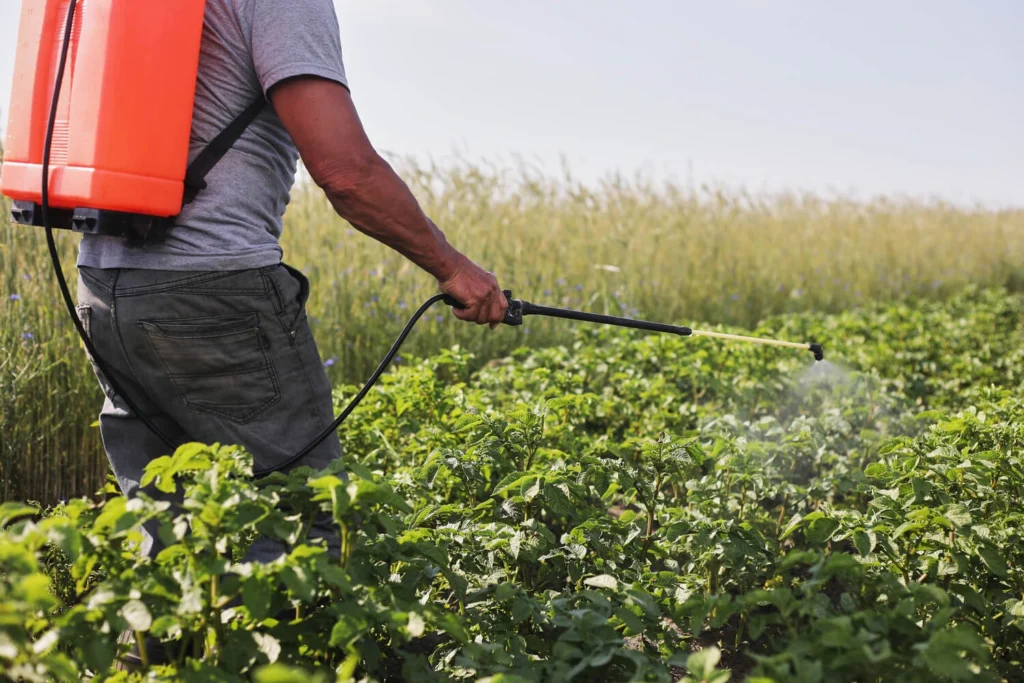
211,356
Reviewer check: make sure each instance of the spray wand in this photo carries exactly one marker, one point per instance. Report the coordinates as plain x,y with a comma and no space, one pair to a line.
517,309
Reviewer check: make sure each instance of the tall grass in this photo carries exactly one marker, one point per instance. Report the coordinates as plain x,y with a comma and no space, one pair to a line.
626,246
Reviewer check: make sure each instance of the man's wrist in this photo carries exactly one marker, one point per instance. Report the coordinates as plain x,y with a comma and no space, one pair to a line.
448,264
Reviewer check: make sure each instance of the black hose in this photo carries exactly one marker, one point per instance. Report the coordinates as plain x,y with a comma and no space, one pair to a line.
44,201
362,392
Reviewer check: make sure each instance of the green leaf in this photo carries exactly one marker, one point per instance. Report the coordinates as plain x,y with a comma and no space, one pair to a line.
956,425
793,525
907,527
505,591
820,531
603,581
137,615
515,544
8,648
36,591
46,642
256,598
864,541
876,470
298,581
522,609
504,678
992,559
268,645
702,664
958,514
281,673
634,624
12,511
534,490
416,625
949,653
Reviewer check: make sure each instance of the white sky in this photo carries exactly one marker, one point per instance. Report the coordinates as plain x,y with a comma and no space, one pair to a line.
909,97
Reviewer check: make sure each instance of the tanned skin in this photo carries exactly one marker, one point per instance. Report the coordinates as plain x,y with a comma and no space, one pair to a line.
363,188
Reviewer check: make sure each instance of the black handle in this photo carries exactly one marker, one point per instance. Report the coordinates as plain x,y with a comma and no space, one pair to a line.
513,315
452,301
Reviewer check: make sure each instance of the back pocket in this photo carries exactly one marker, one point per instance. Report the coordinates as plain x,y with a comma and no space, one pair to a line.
218,364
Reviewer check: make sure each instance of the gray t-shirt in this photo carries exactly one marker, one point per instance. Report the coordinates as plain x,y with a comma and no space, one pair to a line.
235,223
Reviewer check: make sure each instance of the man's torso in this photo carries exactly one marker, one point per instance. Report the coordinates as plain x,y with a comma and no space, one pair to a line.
235,223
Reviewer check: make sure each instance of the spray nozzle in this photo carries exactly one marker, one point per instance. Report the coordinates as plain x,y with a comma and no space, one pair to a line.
819,353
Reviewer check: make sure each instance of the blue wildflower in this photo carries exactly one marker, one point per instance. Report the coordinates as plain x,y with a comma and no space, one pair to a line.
15,297
579,288
27,335
735,297
373,272
561,281
330,361
547,292
402,305
27,276
373,298
439,318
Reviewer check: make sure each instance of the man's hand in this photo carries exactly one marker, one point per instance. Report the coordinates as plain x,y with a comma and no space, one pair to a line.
364,190
478,291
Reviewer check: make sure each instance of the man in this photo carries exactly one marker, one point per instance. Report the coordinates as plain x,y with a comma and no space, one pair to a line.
206,328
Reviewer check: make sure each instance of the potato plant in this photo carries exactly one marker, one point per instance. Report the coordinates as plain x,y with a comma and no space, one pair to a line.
625,508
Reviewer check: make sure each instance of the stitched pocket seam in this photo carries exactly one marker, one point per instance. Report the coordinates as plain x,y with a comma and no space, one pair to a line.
151,328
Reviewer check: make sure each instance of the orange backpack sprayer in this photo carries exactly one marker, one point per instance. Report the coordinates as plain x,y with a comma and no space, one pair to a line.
120,134
98,141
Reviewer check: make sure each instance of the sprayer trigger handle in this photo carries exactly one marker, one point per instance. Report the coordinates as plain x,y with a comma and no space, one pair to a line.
452,301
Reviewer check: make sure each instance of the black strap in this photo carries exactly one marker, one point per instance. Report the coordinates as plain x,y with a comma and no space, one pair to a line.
195,174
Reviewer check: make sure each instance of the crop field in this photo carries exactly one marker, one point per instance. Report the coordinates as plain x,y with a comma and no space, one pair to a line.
622,507
690,255
561,502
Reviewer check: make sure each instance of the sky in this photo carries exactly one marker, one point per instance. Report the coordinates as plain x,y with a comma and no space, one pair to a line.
910,98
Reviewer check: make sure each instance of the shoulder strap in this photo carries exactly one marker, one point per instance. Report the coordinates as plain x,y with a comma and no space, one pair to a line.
195,174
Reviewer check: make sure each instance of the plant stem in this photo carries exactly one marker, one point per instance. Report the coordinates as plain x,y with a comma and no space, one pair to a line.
344,545
218,626
140,643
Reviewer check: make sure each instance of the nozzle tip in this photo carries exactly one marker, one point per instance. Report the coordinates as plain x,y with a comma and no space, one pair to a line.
819,353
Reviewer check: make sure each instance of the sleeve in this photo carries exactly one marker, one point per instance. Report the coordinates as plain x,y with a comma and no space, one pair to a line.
296,38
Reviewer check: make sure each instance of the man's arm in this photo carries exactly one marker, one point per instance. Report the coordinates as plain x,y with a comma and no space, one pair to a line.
364,190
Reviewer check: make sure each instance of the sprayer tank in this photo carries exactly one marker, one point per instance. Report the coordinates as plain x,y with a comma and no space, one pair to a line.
121,135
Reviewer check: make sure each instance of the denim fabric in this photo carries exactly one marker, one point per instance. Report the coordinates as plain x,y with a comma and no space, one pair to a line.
212,356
